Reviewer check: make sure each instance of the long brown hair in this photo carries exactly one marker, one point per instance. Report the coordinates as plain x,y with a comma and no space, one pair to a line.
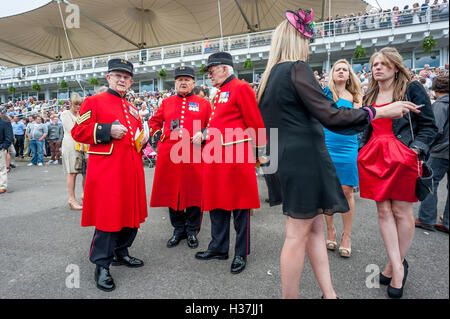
401,79
353,84
287,45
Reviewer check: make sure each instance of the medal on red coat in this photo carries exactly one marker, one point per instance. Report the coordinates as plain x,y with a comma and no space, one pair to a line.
134,112
223,98
193,107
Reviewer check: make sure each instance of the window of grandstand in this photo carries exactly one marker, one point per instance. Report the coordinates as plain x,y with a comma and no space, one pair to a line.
53,95
407,59
432,59
359,64
246,75
147,86
63,94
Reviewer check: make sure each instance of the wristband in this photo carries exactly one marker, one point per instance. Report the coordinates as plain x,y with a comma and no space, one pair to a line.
370,113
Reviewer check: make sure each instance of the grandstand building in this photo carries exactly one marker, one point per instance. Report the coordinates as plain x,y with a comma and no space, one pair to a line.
334,40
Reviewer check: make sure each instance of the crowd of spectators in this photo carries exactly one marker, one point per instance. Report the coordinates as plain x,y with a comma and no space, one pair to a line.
25,115
375,18
425,77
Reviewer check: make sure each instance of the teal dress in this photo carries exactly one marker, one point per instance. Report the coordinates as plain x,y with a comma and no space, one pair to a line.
343,149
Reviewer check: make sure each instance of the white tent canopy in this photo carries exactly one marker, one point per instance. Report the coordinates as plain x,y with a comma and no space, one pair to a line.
107,26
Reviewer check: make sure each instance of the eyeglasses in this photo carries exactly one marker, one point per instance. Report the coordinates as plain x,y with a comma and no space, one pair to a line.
120,76
212,70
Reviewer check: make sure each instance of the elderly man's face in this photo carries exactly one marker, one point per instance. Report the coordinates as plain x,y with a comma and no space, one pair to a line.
218,74
119,81
184,85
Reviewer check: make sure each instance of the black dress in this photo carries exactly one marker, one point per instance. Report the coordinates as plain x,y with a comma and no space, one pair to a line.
294,104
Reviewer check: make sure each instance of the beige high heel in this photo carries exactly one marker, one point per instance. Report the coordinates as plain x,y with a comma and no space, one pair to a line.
345,252
74,205
331,245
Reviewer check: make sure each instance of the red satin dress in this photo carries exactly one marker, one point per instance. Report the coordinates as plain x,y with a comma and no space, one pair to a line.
387,168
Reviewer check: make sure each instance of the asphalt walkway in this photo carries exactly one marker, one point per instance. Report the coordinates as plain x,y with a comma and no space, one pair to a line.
43,249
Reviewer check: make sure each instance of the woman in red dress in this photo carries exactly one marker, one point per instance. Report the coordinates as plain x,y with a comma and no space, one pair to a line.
388,163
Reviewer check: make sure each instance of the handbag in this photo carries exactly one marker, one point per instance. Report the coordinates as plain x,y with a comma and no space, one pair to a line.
84,165
424,182
78,163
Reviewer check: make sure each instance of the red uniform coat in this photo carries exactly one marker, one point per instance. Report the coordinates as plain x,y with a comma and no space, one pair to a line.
178,184
114,194
229,177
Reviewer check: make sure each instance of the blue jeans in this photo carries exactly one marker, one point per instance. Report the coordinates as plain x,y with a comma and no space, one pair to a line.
428,208
37,148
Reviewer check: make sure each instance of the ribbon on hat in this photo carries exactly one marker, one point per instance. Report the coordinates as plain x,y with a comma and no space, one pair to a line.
302,21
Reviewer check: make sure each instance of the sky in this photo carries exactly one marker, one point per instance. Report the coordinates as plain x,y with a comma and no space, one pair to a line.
19,6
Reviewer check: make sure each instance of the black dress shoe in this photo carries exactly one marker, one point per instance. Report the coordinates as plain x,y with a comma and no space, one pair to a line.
205,255
405,271
103,279
175,240
192,241
394,292
387,280
398,292
127,261
238,264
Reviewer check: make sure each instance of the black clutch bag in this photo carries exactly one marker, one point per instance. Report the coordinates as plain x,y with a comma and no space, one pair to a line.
424,183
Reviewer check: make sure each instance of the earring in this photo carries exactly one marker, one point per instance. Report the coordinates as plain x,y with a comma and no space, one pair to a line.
348,82
396,75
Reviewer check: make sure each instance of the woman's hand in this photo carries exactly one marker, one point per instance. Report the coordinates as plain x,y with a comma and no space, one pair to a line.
396,110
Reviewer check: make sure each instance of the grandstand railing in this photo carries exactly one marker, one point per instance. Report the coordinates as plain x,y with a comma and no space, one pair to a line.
333,28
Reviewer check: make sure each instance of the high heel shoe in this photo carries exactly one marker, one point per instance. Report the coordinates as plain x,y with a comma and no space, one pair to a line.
387,280
345,252
395,292
398,292
74,205
331,245
405,273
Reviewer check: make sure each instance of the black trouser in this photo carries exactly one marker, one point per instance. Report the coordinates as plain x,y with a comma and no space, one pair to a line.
18,144
220,231
186,222
106,245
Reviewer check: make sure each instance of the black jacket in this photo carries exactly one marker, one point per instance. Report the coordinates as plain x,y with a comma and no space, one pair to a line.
6,134
423,123
439,149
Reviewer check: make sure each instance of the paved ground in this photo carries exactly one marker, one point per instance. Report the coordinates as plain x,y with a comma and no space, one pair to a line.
40,238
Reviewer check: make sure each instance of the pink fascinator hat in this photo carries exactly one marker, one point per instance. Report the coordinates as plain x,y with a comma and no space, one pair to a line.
302,21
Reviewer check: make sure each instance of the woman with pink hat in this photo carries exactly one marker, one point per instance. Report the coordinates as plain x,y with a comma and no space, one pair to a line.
292,101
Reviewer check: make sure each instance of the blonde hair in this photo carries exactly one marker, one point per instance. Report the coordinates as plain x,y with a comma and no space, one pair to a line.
353,84
390,56
75,99
287,45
